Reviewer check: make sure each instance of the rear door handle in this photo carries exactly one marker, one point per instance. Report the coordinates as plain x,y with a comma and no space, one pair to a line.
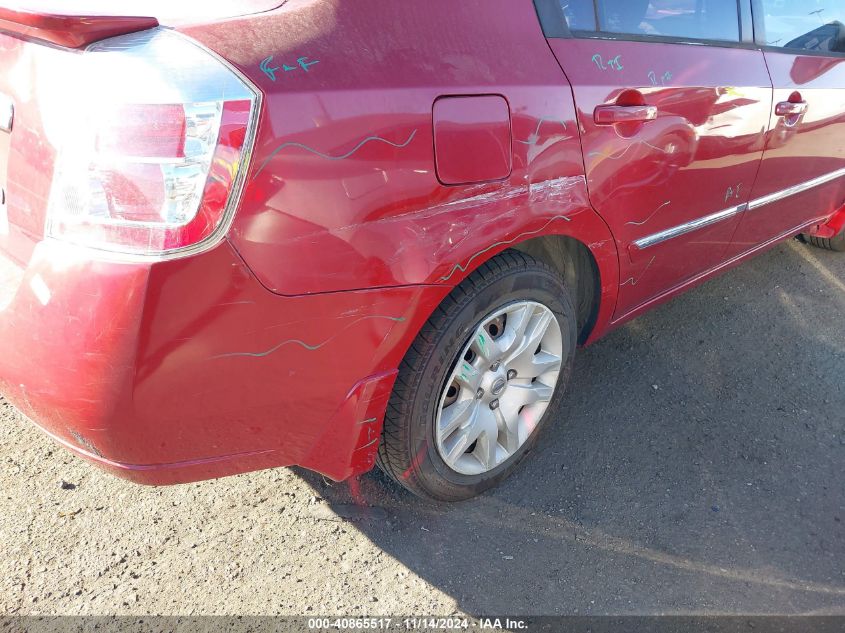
791,108
613,114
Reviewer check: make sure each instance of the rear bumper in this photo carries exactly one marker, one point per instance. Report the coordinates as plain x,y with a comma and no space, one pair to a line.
190,369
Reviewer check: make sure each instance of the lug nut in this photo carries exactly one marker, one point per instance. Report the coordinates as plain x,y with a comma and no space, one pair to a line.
479,394
495,366
511,374
494,405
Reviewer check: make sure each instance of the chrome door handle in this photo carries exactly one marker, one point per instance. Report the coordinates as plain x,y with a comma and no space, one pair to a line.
613,114
791,108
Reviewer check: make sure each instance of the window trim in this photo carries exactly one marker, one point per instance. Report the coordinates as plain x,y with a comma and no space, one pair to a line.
554,26
760,37
552,19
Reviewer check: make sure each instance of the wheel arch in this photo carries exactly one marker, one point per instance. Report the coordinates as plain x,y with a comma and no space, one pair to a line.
574,261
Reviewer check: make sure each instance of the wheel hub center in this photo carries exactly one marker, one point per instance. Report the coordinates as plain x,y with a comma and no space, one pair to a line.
494,383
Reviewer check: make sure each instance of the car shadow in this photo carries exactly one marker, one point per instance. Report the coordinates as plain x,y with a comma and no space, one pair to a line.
696,467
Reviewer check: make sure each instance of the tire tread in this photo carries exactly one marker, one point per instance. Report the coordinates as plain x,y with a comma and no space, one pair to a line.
836,243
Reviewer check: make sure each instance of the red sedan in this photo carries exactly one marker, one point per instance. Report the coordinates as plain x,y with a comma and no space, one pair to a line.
327,233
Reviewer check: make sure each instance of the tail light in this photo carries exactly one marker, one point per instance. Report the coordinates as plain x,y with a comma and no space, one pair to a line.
152,136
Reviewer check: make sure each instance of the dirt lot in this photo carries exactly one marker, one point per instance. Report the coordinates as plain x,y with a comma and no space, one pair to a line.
698,468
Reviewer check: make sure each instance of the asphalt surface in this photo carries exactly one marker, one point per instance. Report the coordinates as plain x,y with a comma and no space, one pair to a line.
698,468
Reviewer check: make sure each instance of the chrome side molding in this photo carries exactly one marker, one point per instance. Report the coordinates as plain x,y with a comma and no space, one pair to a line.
689,227
795,189
719,216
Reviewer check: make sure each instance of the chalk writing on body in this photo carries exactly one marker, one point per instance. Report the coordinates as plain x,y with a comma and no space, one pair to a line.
614,63
733,192
270,70
662,80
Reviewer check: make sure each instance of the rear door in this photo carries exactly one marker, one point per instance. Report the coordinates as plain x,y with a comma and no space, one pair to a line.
673,102
801,177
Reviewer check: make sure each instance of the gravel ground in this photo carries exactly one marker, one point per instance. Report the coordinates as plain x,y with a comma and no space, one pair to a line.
697,469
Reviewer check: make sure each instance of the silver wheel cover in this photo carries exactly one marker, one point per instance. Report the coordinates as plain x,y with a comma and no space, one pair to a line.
500,387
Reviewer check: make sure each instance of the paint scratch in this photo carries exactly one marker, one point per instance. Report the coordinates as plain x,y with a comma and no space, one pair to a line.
503,194
654,213
85,442
369,139
627,149
546,190
534,138
302,343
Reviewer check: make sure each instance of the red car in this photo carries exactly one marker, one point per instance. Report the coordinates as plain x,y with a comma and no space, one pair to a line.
336,234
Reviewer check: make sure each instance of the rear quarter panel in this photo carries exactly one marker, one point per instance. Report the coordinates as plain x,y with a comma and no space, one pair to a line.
343,192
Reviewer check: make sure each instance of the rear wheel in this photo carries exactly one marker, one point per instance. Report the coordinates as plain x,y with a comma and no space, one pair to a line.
485,374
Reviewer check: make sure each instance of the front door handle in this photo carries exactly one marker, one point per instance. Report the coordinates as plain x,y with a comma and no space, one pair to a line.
791,108
613,114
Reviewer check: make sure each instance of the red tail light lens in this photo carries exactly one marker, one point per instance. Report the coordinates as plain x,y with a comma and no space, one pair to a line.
152,131
138,171
227,159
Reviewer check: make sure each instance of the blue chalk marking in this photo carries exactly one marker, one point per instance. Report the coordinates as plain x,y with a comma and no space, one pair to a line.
615,63
654,213
303,344
369,139
271,71
463,267
633,281
305,64
667,76
267,69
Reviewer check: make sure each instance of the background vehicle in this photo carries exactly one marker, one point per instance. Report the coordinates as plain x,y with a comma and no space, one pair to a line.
281,236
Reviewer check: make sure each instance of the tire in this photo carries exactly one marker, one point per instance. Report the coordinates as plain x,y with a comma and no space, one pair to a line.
509,292
836,243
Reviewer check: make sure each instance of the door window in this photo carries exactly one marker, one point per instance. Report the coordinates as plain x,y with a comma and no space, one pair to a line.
580,14
805,25
687,19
